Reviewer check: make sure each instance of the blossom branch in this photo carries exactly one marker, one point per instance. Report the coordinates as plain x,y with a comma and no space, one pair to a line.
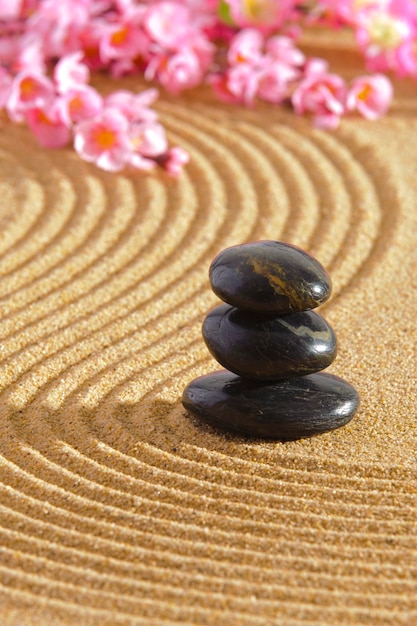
246,49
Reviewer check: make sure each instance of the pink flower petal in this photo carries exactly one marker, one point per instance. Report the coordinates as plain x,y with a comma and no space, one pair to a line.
246,46
168,24
104,140
80,104
370,96
70,72
50,130
29,90
135,106
123,40
149,139
175,160
322,95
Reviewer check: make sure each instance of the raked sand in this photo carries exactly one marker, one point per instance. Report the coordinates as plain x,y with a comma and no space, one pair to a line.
116,507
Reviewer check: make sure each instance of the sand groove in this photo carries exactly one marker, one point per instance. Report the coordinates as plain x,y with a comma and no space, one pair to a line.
115,506
105,471
183,510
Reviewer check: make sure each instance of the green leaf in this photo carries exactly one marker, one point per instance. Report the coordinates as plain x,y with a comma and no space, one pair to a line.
224,13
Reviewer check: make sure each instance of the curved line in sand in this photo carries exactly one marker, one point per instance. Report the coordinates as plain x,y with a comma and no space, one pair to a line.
66,337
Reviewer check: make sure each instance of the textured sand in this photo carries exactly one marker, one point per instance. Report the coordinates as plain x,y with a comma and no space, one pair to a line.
116,507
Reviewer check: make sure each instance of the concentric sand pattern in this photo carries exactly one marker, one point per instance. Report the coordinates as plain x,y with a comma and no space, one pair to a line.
116,508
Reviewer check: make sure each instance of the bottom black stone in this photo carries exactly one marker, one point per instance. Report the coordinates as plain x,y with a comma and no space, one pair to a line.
283,410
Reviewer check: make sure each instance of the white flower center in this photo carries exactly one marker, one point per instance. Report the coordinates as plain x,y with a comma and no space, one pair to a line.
386,32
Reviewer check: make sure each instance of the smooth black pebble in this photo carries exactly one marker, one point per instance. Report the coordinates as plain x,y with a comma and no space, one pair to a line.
283,410
269,348
269,276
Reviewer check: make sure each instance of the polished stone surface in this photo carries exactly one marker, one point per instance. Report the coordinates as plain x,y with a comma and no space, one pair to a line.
269,276
269,347
283,410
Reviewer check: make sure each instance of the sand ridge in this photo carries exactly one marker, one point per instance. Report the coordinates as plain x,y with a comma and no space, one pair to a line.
116,507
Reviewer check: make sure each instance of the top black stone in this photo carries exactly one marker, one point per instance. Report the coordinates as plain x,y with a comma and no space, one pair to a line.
269,276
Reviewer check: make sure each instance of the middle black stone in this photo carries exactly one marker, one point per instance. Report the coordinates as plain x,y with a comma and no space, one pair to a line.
269,347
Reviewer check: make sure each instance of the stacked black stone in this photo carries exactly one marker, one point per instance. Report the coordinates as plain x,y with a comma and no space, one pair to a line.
272,345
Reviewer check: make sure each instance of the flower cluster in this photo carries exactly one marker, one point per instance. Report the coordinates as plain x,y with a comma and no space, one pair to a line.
385,30
275,70
114,132
47,52
246,49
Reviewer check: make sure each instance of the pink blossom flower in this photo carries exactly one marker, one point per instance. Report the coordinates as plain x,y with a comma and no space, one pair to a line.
370,96
387,36
14,10
174,160
148,141
139,162
283,49
178,71
267,15
315,67
70,72
124,6
10,10
29,91
405,63
274,81
59,24
338,12
246,47
89,39
104,140
220,85
243,83
48,126
168,24
80,104
134,106
123,67
203,12
259,68
323,96
29,57
123,40
379,30
281,67
9,49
